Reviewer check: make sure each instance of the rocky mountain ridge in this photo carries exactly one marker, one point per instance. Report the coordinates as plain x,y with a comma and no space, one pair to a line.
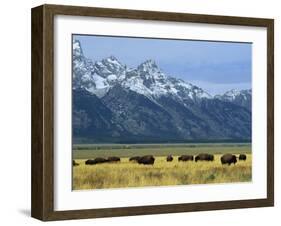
114,103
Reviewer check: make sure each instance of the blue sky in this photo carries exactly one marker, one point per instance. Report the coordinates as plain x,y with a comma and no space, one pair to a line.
213,66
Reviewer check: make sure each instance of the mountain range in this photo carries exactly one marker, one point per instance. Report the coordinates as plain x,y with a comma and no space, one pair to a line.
115,103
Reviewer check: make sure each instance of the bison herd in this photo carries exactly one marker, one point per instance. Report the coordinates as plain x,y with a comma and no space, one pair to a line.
149,159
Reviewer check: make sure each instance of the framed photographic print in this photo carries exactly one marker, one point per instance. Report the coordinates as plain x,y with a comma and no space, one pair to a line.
141,112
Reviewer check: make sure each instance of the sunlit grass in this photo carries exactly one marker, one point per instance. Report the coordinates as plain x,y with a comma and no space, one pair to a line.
129,174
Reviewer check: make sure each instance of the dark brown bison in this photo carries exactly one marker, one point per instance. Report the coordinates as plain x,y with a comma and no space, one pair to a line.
134,158
113,159
228,159
96,161
204,157
242,157
90,162
169,158
74,163
185,158
146,160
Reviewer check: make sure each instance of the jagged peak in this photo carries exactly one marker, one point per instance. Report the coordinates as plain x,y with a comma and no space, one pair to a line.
77,50
111,60
76,41
233,93
146,79
248,91
148,64
237,92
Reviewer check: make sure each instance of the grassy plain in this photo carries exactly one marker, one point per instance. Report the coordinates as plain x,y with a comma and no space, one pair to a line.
162,173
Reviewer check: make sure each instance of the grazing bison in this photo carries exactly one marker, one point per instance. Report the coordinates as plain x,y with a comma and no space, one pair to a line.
134,158
95,161
185,158
113,159
74,163
169,158
90,162
146,160
228,159
242,157
204,157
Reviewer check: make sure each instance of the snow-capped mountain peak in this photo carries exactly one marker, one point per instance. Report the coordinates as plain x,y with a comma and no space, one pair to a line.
112,61
147,79
144,104
239,97
77,50
233,94
148,65
109,66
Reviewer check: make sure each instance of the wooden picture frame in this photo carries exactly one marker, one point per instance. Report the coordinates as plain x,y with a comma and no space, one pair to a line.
42,203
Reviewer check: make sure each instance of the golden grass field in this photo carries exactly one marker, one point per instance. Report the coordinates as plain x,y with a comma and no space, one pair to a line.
162,173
